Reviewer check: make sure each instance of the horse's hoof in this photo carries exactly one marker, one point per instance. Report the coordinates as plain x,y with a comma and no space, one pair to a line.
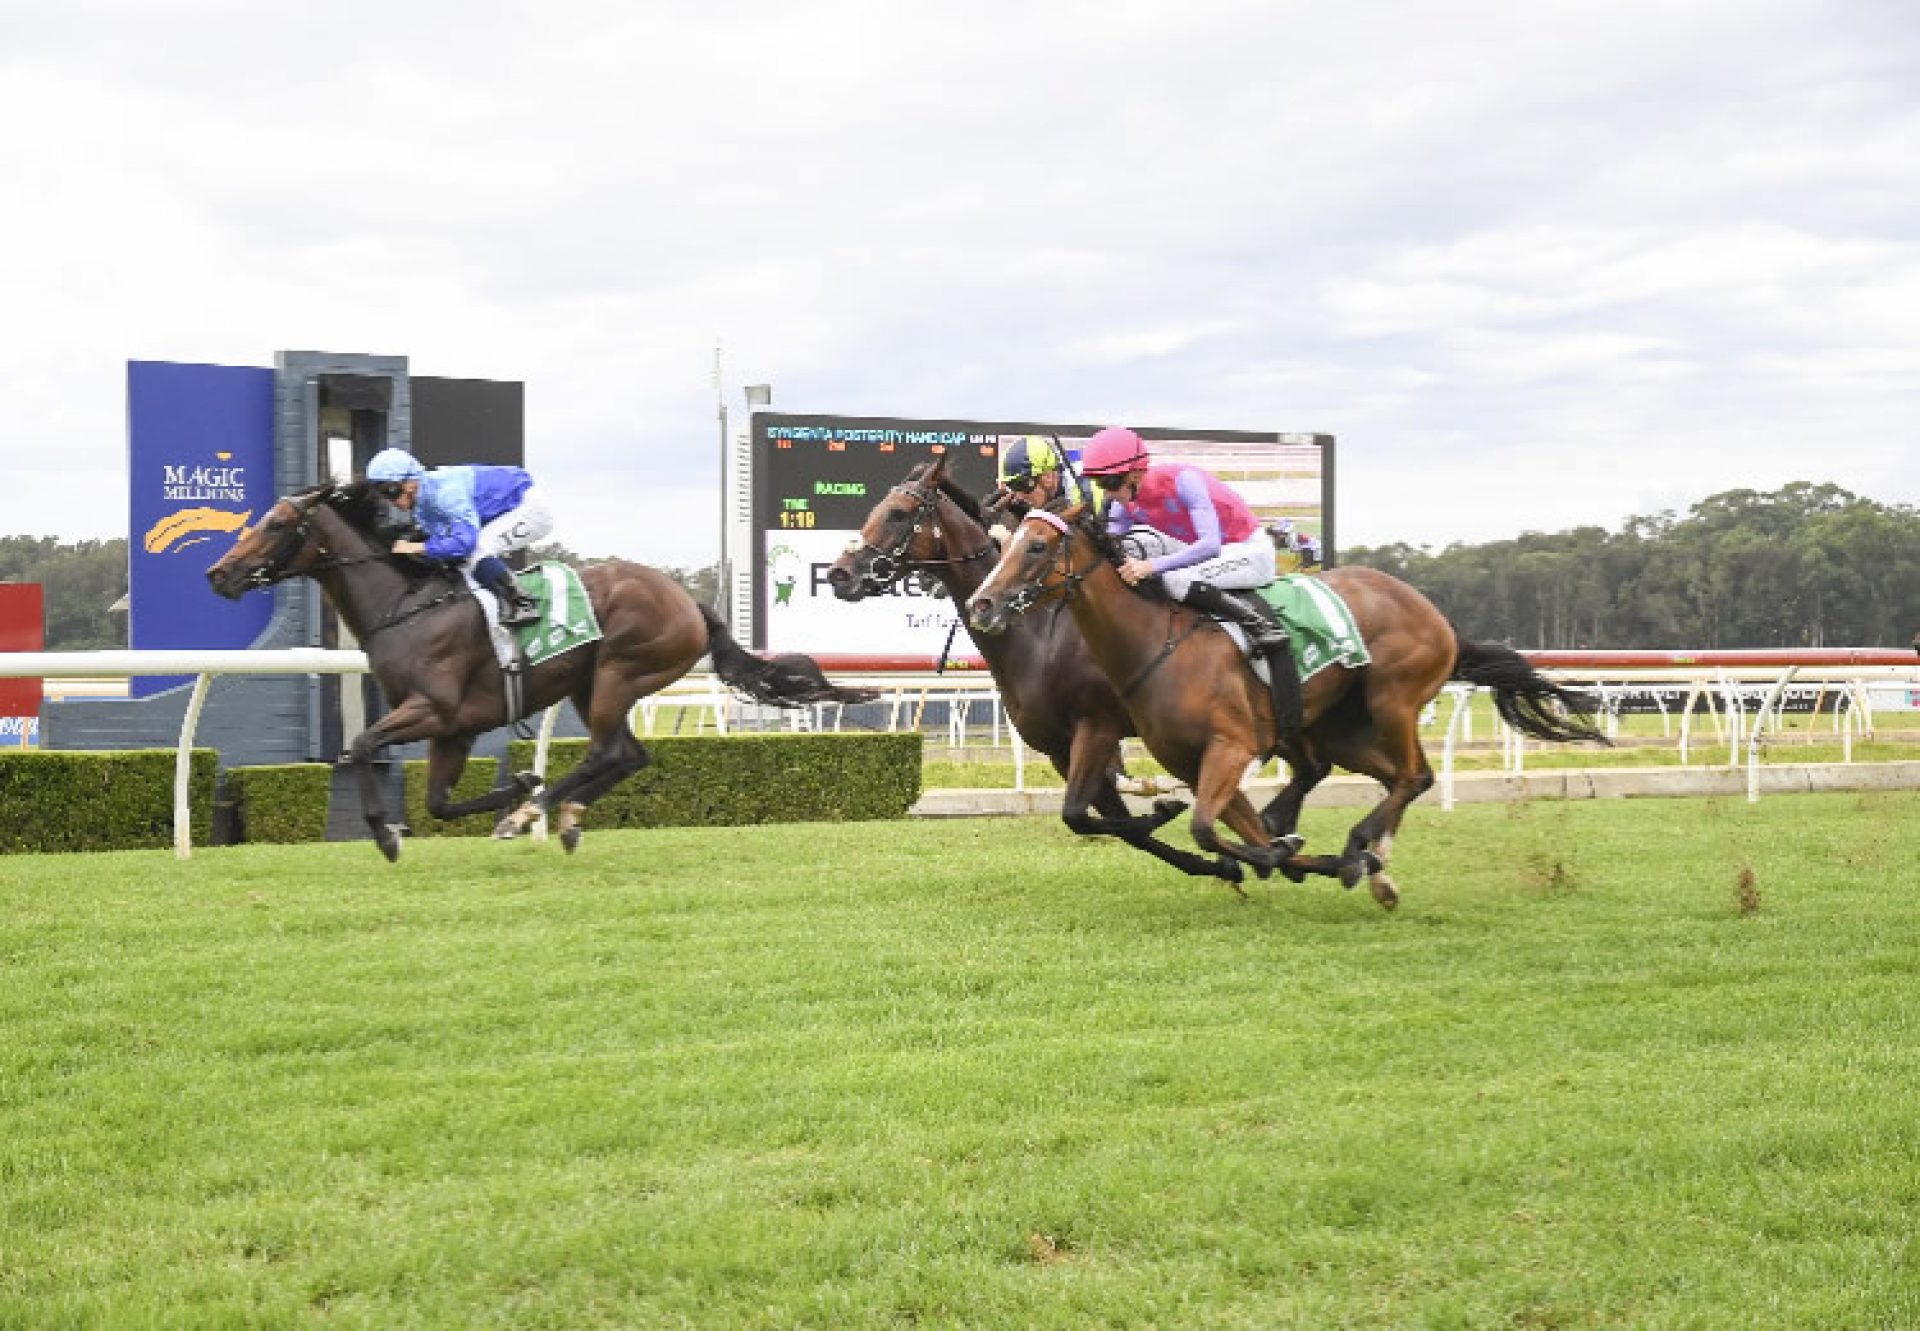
528,784
1351,872
1229,868
1167,810
1384,891
506,829
1291,874
388,837
570,840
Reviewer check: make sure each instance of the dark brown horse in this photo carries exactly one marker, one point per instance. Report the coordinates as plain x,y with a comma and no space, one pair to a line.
1206,718
427,642
1051,686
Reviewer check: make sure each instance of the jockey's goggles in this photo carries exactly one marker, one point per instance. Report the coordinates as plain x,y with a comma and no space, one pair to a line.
1021,483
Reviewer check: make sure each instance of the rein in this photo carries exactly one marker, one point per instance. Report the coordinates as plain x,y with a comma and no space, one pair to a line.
276,568
1026,596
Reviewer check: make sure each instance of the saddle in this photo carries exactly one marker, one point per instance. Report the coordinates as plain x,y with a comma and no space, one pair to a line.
566,621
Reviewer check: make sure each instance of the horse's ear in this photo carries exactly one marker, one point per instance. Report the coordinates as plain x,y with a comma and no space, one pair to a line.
938,472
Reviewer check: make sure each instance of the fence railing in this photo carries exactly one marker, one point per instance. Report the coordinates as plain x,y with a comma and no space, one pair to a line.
1740,692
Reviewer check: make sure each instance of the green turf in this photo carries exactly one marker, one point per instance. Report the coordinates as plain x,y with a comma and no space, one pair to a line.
1622,1064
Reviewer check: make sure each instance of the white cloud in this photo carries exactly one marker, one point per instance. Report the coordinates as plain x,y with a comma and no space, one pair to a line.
1535,265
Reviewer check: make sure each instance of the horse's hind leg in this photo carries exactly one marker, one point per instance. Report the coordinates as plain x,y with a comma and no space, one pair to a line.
613,754
1391,753
630,756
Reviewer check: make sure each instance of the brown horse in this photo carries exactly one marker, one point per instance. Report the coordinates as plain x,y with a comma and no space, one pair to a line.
1052,688
1206,717
427,642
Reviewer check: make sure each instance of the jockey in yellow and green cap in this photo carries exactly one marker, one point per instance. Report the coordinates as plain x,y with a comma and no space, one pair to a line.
1033,473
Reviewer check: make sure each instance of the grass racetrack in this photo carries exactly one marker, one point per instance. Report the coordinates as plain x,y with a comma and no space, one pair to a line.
1633,1064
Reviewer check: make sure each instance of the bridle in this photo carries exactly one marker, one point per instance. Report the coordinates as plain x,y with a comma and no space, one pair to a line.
280,564
888,567
1025,597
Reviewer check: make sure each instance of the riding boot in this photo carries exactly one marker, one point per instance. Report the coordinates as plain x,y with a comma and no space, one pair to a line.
516,607
1265,636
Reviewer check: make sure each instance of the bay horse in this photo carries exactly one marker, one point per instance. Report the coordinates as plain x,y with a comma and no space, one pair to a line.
428,644
1207,718
1053,690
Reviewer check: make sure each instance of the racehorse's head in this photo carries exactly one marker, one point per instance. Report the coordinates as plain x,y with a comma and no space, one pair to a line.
1038,558
906,532
289,542
281,545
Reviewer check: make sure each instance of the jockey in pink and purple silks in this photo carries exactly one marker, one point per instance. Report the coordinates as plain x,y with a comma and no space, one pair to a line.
1183,525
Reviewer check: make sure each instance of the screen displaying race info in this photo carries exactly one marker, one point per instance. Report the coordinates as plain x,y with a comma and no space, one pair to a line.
817,478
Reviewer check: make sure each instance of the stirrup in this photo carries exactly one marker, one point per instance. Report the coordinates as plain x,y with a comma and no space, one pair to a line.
518,612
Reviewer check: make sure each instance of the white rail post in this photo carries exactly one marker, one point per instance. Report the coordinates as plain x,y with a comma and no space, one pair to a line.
541,744
1771,701
183,771
1462,706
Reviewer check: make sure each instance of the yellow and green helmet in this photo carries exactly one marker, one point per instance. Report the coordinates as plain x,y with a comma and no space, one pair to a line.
1026,460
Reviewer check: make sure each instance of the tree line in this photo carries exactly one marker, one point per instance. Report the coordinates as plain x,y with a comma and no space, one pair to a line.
1804,566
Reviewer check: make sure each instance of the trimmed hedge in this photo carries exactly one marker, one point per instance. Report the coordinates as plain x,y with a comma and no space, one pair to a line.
732,780
280,803
67,799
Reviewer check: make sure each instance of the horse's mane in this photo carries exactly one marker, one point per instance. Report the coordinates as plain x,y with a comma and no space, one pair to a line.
965,502
365,510
356,501
1152,589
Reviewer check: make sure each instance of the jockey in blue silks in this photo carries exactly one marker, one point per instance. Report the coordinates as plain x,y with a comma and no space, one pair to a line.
472,516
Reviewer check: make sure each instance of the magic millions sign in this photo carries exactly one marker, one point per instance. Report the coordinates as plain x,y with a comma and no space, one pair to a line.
200,467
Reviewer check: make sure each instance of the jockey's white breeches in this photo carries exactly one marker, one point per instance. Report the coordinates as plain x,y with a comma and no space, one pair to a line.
515,529
1239,567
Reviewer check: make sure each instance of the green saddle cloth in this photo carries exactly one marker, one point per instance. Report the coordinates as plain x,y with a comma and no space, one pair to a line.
1319,623
566,615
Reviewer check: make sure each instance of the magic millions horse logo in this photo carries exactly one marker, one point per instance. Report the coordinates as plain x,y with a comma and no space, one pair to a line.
785,564
220,482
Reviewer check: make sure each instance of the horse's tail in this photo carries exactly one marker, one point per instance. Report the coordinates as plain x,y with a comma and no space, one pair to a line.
780,681
1526,700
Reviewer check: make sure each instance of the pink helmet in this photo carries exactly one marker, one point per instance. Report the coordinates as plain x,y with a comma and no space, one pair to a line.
1114,451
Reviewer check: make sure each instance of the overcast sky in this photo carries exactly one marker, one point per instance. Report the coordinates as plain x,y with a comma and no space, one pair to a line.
1536,264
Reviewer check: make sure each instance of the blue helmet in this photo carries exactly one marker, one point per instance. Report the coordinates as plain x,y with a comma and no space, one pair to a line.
394,464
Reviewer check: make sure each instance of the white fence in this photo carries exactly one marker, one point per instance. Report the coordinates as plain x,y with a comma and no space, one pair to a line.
1739,702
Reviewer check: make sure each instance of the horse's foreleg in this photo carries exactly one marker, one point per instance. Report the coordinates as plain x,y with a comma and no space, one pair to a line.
415,718
1217,799
1090,772
1307,770
446,759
